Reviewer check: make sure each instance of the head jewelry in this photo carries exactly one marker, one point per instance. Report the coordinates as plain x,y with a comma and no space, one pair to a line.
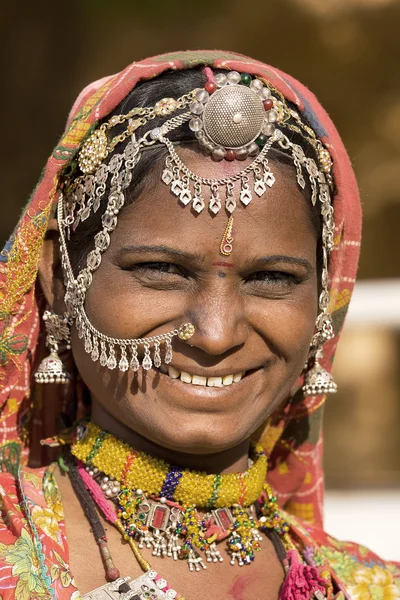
235,116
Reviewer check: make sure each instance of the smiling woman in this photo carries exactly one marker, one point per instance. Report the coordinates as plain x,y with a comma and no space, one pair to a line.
258,321
206,218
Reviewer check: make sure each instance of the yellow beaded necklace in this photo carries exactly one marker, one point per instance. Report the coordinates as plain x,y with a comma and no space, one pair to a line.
157,478
157,503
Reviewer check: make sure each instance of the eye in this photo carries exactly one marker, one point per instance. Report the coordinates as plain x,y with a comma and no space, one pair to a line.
276,278
158,269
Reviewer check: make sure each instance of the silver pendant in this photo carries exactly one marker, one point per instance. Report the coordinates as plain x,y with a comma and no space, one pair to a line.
245,196
185,196
167,176
259,187
148,586
198,204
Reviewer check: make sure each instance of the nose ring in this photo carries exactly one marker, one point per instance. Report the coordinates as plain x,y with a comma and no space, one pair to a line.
186,331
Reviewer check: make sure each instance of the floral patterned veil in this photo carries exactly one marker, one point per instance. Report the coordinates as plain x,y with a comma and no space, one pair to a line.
293,437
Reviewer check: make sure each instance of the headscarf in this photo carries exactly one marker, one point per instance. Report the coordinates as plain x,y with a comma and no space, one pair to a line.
292,438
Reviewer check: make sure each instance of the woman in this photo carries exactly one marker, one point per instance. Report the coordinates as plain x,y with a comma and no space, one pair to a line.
181,233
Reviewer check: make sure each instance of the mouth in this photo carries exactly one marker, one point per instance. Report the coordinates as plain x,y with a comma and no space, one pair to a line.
199,380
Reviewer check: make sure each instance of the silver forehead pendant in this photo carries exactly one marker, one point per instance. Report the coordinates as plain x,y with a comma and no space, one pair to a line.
232,121
235,120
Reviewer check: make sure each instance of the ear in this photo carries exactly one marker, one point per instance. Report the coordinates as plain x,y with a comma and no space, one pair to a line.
50,271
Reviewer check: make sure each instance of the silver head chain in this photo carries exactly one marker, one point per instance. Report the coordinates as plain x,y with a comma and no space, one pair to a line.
231,121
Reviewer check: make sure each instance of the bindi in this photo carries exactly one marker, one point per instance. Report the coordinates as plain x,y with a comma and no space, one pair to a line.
222,264
221,274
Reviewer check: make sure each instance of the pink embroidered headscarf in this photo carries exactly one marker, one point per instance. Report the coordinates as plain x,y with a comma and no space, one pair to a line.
293,437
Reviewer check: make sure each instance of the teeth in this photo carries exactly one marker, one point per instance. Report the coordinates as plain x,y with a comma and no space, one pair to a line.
173,373
185,377
199,379
214,381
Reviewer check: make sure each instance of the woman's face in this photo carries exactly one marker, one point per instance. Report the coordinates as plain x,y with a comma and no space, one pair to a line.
254,312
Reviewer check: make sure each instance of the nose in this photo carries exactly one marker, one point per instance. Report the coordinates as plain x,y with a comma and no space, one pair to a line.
220,322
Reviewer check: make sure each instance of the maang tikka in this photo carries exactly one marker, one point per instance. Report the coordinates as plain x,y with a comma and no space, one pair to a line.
235,116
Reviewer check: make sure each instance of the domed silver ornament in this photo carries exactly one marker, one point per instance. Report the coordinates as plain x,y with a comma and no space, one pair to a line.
229,121
233,117
52,370
318,380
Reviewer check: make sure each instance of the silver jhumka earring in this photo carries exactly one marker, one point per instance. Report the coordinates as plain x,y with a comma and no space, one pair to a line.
235,116
318,380
52,368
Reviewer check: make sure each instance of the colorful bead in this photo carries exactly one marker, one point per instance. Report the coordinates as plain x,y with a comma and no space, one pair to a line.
261,140
171,481
230,155
210,87
214,495
244,540
157,522
245,79
96,446
155,477
268,104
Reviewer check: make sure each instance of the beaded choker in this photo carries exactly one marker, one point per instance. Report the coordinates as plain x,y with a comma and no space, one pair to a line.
157,503
156,477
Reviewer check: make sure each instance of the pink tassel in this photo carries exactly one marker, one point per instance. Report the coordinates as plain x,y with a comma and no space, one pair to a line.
209,74
301,581
97,494
213,529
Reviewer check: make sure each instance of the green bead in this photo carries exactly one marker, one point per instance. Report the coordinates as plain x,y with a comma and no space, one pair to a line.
245,78
261,140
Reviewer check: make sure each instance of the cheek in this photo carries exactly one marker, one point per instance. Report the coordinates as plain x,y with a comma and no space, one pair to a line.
287,325
118,306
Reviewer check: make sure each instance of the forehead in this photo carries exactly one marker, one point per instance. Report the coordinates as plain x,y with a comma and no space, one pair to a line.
278,222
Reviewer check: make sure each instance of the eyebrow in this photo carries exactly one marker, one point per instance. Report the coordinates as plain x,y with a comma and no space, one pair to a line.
282,258
182,254
165,250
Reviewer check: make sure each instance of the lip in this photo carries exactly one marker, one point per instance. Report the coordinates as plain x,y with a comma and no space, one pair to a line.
178,386
199,373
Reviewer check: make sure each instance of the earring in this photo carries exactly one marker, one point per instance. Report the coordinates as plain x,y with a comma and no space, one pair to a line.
318,381
52,368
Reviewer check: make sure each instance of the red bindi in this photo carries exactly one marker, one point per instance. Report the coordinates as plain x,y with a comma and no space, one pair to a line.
222,264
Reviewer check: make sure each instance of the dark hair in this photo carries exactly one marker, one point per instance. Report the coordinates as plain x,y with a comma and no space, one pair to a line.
174,84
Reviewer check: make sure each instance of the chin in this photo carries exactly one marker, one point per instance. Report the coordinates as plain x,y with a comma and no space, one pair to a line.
200,435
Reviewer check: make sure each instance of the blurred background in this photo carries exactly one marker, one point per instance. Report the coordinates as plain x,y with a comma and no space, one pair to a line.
347,52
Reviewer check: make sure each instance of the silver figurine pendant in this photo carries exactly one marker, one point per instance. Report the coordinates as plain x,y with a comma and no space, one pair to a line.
149,586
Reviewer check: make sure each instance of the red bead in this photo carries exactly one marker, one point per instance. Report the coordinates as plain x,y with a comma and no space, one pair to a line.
210,87
230,155
268,104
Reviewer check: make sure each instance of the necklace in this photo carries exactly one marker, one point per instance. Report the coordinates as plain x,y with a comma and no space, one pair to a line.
149,585
158,504
137,470
95,488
